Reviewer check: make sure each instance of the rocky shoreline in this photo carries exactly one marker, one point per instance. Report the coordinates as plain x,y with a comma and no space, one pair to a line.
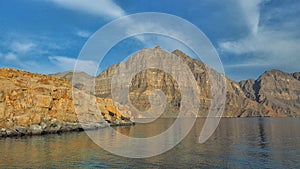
54,127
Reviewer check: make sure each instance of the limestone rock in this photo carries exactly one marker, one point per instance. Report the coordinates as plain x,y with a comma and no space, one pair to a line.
274,94
296,75
35,104
241,97
35,129
277,90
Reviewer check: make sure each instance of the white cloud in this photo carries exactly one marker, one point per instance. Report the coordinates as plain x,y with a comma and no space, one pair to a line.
17,51
268,45
254,64
66,64
275,48
102,8
83,34
22,48
5,57
251,14
156,31
11,57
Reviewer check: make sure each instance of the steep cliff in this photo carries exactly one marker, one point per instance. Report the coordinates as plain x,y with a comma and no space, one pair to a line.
274,94
277,90
237,103
35,104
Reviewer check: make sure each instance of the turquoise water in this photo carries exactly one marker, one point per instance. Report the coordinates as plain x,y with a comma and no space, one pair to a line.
237,143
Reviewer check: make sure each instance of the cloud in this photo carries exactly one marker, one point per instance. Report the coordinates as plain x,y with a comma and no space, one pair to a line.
16,50
273,45
245,65
31,54
275,48
157,30
83,34
22,48
250,10
66,64
101,8
11,57
6,57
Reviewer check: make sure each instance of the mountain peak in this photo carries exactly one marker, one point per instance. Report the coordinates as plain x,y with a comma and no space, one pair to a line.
157,47
178,52
274,71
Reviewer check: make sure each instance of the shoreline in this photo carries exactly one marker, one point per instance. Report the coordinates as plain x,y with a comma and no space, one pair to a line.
67,127
64,127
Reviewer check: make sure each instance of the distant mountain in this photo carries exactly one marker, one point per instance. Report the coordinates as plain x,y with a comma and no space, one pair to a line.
274,94
82,78
277,90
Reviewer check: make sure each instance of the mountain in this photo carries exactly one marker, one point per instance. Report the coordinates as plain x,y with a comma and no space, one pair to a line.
277,90
82,78
237,104
36,104
274,94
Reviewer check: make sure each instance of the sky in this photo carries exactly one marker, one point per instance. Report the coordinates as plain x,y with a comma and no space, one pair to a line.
250,36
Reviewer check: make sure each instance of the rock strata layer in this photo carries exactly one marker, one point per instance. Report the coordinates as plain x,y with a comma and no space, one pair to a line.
274,94
33,104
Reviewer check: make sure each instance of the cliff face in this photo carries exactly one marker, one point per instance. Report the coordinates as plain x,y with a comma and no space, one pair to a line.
83,80
237,104
35,104
277,90
273,94
240,102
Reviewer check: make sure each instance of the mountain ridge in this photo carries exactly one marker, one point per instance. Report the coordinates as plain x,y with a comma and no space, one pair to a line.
246,98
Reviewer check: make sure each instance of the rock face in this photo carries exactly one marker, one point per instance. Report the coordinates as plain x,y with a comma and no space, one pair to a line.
274,94
240,101
296,75
81,81
36,104
277,90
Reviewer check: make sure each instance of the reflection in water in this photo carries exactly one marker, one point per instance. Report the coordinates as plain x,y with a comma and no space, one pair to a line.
262,134
237,143
263,140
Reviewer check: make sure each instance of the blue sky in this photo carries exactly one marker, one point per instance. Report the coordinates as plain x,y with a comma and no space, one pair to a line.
251,36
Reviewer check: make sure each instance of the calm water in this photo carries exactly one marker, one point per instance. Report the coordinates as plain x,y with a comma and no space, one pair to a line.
237,143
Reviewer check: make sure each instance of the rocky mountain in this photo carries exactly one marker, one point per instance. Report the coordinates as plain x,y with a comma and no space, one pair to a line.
274,94
36,104
237,104
277,90
82,79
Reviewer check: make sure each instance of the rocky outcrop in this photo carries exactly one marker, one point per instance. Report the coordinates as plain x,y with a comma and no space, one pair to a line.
37,104
296,75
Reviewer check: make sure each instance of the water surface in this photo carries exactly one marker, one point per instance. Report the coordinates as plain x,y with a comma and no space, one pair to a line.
237,143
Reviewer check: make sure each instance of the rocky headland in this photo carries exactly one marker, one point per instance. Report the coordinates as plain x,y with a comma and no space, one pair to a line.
35,104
